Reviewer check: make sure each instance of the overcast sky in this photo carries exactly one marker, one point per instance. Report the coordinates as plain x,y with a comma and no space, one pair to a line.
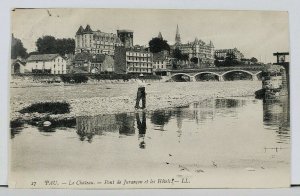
255,33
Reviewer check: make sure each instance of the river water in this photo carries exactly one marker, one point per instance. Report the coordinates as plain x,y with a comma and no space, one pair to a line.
244,138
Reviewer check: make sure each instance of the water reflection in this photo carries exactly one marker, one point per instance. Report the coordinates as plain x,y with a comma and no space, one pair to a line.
160,118
229,103
125,121
15,131
212,112
277,118
142,126
88,126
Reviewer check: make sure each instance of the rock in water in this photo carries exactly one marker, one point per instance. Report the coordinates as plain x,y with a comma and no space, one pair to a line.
47,123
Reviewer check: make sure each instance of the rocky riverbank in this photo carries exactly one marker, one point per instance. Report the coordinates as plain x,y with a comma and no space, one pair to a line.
90,100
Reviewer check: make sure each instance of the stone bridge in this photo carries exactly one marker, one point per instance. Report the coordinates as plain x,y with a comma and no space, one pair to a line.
219,73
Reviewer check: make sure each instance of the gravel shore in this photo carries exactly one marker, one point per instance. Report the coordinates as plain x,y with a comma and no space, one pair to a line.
95,99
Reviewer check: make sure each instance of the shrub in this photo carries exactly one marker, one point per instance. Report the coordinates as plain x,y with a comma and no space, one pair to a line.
76,78
47,107
16,123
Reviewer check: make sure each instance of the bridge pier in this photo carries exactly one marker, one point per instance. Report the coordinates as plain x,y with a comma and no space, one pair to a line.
254,77
221,79
192,79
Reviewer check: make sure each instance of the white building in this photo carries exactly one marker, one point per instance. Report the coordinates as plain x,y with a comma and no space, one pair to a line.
134,60
46,63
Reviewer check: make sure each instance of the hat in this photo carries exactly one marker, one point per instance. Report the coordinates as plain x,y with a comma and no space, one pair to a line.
141,75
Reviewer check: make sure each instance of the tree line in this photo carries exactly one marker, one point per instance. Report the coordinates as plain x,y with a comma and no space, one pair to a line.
45,45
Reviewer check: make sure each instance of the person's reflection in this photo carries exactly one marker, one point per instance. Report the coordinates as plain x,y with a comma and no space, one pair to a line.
141,125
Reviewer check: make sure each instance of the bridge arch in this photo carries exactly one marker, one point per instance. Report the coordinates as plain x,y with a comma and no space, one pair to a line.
206,75
181,77
238,75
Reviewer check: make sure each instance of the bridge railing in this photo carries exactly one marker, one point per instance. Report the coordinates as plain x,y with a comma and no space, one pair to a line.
253,67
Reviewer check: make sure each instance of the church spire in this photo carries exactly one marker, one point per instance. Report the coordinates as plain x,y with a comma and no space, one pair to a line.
177,36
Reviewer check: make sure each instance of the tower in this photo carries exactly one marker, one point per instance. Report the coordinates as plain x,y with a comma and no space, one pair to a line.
126,37
79,39
177,36
88,37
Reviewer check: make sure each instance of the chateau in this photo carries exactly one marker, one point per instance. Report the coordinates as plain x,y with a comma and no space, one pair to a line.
97,42
196,49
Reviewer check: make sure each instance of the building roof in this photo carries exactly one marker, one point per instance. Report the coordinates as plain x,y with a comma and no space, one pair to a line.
83,56
88,29
21,61
98,58
80,30
42,57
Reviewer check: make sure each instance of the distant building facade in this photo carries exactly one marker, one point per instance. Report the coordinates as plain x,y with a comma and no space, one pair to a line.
18,66
46,63
96,42
234,53
92,63
161,62
196,49
126,37
135,60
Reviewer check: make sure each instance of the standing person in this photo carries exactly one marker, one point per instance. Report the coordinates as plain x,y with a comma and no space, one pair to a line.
141,93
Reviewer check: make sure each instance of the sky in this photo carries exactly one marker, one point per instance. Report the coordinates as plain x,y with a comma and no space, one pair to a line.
255,33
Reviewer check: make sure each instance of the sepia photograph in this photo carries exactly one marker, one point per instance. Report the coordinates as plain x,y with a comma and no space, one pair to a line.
149,98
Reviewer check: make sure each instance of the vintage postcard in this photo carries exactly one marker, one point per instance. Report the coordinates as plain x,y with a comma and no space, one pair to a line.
141,98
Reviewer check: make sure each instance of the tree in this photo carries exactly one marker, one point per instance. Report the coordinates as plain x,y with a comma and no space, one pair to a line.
17,49
157,45
253,60
46,45
65,46
50,45
194,60
230,60
177,54
185,57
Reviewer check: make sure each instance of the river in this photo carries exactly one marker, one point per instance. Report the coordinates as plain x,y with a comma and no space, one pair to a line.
221,142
